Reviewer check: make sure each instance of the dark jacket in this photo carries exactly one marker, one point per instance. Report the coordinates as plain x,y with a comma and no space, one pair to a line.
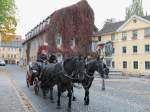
42,58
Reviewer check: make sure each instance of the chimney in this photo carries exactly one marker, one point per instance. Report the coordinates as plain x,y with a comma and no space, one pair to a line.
112,20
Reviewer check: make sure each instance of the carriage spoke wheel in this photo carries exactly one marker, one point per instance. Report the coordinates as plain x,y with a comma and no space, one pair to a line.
36,89
27,80
27,84
36,86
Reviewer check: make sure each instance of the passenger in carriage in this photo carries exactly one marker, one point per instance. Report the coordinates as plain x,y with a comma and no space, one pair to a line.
42,59
52,59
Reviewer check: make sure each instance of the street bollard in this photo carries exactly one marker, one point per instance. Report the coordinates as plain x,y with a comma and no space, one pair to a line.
103,85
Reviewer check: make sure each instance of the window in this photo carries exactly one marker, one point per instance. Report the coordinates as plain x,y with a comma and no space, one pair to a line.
147,32
58,41
113,51
124,35
147,65
135,34
14,56
72,43
113,64
112,37
99,38
48,20
108,62
147,48
124,50
94,44
40,27
124,64
134,49
135,64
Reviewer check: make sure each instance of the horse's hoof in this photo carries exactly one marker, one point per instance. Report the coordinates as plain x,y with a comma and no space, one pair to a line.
44,97
52,101
74,99
69,110
103,89
58,107
86,103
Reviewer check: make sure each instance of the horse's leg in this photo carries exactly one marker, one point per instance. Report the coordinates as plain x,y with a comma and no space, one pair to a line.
44,93
86,98
43,90
59,95
70,98
51,95
73,97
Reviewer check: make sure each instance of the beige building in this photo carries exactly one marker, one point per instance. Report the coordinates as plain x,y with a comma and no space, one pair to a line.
11,51
131,44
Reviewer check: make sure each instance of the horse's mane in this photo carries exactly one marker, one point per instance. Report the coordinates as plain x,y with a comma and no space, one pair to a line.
90,61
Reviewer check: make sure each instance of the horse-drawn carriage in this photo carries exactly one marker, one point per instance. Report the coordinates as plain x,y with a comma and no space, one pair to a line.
34,70
68,72
32,78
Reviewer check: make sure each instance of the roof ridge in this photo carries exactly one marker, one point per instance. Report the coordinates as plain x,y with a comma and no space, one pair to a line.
113,26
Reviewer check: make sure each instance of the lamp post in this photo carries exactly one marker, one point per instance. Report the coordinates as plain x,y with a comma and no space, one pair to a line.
101,54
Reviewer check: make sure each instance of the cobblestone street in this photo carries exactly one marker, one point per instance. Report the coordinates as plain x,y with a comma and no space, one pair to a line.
9,101
128,94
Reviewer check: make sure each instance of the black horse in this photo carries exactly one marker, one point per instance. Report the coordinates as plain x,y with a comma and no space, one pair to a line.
61,74
91,67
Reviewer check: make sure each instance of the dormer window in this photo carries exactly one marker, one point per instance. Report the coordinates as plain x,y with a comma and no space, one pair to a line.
58,41
48,20
72,43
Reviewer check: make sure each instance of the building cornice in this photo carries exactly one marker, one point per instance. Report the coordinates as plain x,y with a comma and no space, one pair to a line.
133,17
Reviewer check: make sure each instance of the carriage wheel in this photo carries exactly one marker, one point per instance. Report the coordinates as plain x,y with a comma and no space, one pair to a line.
27,80
36,89
36,86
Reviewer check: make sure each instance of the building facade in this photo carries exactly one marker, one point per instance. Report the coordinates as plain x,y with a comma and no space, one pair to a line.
11,51
65,31
131,45
35,38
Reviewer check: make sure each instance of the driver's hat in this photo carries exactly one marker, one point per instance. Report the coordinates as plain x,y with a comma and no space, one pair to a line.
43,52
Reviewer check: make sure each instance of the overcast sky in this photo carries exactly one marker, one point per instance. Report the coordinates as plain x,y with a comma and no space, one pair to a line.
32,12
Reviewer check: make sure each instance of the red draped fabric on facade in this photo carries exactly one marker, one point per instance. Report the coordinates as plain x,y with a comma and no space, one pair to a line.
73,22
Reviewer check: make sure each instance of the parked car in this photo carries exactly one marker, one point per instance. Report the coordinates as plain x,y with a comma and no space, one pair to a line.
2,63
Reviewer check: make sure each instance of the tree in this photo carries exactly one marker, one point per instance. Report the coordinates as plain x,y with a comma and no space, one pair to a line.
135,9
7,19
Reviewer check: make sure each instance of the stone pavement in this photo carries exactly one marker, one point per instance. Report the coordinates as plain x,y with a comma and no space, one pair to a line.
9,101
129,94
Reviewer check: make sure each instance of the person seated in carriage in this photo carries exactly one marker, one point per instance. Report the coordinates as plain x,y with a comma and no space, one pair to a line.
52,59
42,59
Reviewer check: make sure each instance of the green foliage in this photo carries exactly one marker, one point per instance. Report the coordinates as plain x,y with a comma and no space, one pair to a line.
135,9
7,18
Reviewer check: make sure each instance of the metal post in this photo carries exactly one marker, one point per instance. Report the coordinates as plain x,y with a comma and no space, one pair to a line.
103,85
